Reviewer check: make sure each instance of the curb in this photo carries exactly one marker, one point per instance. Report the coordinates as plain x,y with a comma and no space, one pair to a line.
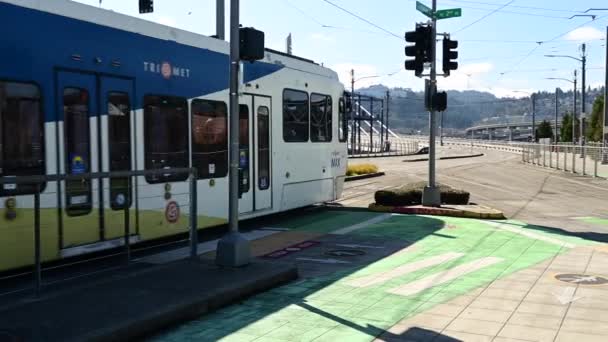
492,214
445,158
462,157
153,322
365,176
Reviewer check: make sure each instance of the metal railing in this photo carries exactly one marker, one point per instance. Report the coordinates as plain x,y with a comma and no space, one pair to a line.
54,192
590,159
585,160
391,148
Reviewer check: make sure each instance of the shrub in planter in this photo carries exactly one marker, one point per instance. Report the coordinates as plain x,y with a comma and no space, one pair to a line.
411,194
361,169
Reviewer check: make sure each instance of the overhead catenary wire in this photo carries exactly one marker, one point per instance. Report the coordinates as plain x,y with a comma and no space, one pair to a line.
483,17
515,6
323,25
514,67
364,20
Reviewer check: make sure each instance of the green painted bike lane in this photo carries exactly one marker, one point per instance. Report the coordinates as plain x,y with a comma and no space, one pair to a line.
335,308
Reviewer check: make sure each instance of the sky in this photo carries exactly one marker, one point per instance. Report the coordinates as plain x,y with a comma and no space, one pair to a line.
502,43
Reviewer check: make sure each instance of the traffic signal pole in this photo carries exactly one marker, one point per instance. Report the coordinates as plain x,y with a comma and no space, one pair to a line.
233,250
431,195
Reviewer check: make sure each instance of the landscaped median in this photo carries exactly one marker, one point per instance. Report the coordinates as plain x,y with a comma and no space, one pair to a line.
466,211
407,199
362,171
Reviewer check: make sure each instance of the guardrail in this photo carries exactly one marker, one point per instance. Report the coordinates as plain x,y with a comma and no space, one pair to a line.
37,181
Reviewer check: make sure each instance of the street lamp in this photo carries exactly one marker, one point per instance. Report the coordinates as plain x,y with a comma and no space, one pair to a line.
583,61
533,98
574,107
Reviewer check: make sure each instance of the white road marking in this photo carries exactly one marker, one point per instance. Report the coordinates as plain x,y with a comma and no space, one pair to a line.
507,227
443,277
567,296
358,246
324,261
278,229
382,277
364,224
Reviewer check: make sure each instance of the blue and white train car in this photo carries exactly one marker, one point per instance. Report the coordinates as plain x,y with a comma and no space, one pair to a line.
84,89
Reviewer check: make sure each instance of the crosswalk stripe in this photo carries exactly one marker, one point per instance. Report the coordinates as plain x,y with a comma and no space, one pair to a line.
523,232
443,277
382,277
364,224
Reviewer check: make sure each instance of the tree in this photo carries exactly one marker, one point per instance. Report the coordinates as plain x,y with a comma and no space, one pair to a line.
594,128
566,129
544,130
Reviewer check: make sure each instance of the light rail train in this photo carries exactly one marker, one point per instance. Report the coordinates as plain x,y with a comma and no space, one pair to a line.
86,90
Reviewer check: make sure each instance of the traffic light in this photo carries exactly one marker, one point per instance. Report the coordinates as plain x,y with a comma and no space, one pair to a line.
449,55
146,6
440,101
421,50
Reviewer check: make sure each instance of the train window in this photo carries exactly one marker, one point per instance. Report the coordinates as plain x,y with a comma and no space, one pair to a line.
244,158
119,137
320,118
209,138
165,136
342,121
21,135
295,116
77,145
263,148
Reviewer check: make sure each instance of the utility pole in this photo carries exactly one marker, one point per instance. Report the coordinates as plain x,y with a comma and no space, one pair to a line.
584,96
233,250
556,114
605,135
220,15
352,110
441,130
388,100
533,96
574,113
431,195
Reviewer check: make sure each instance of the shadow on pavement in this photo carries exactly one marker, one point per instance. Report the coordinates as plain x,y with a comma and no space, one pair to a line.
591,236
265,313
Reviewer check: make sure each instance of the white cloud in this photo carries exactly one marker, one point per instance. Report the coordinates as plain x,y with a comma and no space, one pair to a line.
475,68
467,77
584,34
322,37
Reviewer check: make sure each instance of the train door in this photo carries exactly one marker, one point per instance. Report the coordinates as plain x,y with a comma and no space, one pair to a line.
77,144
116,133
262,154
245,149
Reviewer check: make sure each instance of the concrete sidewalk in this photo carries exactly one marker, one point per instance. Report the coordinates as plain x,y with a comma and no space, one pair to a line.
138,303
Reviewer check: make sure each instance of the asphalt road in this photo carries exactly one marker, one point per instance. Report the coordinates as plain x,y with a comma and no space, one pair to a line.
499,179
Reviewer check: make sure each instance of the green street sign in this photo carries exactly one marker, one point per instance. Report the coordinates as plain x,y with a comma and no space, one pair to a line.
422,8
448,13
